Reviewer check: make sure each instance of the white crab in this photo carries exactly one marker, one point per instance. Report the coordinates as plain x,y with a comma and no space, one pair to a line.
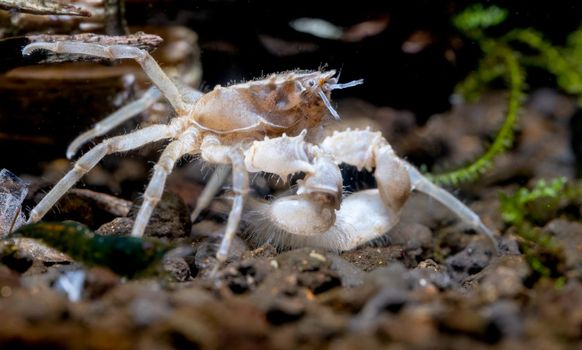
260,126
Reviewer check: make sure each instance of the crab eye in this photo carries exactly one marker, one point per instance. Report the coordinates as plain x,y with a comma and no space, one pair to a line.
299,87
311,83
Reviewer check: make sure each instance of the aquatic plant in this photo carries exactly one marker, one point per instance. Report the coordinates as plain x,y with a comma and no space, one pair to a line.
526,209
502,59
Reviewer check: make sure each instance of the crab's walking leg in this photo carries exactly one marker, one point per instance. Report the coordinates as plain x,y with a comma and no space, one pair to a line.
212,187
189,94
115,119
149,65
422,184
90,159
185,143
240,187
214,152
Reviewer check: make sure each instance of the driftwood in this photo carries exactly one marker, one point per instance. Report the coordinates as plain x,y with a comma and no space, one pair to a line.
43,7
13,57
140,40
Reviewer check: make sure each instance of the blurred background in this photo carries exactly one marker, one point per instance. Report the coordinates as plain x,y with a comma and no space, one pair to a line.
408,53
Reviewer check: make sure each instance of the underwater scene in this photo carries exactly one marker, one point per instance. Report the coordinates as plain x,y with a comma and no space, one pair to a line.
227,174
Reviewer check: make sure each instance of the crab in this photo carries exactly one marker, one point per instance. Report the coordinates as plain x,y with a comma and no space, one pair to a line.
265,125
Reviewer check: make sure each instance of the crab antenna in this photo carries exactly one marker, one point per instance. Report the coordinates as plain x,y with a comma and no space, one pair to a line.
347,85
339,74
327,104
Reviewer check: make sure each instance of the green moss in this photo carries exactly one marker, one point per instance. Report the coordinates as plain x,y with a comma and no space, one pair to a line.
563,63
506,63
478,17
502,60
514,208
525,210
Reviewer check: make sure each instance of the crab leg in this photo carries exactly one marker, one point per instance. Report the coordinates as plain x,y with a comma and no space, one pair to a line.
185,143
422,184
189,94
116,118
90,159
213,151
147,62
212,187
240,187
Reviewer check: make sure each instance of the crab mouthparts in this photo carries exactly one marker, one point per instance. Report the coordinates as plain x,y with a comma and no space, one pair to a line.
328,105
334,86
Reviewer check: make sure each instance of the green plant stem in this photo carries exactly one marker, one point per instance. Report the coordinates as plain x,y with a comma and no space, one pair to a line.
515,79
472,86
551,58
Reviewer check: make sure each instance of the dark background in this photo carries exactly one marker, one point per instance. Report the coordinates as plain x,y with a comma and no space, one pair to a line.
232,40
229,34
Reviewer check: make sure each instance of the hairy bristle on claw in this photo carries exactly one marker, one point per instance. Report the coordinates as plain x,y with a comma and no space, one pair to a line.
328,104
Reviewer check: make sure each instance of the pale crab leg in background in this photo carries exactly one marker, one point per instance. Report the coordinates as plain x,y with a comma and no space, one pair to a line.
212,187
116,118
90,159
151,96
